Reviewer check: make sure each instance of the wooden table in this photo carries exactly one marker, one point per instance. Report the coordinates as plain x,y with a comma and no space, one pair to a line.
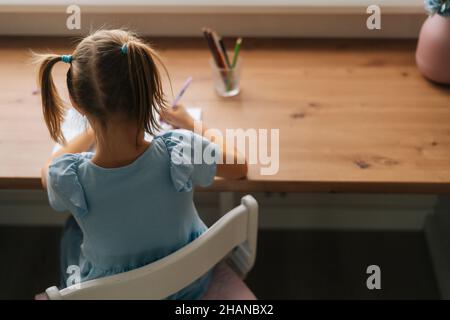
354,116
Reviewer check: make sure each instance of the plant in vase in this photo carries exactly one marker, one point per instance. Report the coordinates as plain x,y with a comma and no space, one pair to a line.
433,47
441,7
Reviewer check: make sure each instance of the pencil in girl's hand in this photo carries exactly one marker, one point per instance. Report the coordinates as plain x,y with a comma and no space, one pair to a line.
183,89
237,47
180,94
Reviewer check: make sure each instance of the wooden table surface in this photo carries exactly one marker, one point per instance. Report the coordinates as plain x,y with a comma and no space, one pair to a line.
353,115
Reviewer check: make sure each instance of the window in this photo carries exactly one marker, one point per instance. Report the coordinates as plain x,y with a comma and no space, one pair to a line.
212,5
270,18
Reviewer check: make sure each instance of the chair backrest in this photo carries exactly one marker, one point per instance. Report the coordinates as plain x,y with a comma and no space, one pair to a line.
234,235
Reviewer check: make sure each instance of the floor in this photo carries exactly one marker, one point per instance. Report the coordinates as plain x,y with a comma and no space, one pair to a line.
333,265
290,264
29,261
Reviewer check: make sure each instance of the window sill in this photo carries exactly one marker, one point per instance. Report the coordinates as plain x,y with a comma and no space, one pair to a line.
205,6
319,18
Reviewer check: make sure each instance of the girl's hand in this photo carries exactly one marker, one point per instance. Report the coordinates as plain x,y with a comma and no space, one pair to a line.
178,117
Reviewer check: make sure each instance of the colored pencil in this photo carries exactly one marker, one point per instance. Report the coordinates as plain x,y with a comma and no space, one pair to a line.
183,89
218,49
216,52
237,48
224,49
210,43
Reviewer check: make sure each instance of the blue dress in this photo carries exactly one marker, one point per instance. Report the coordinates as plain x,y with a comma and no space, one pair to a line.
127,217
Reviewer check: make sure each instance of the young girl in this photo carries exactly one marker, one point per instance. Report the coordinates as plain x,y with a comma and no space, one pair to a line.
131,200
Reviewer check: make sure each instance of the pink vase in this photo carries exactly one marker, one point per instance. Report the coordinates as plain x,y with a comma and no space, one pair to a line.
433,49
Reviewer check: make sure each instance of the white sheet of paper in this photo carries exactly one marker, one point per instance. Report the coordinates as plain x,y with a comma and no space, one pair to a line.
74,124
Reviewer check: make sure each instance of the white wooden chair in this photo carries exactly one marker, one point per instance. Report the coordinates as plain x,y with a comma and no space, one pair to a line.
233,238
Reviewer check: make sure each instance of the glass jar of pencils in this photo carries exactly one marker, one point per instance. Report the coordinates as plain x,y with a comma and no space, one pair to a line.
226,80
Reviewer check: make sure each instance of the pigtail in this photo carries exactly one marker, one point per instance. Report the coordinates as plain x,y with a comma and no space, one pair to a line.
52,104
146,85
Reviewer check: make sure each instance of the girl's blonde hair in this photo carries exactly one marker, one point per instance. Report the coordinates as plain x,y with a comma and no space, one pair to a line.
112,73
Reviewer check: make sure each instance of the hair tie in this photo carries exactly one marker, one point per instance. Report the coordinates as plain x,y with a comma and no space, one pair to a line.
66,58
124,49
